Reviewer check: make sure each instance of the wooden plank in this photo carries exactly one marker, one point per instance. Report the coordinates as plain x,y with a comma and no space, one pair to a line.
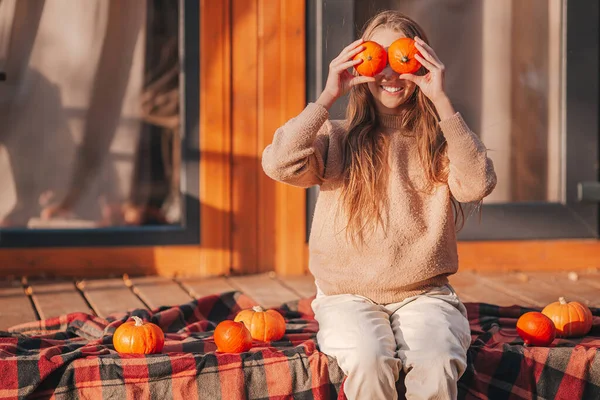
534,255
109,296
157,291
200,287
291,201
215,138
303,285
246,164
269,119
568,285
473,288
590,277
526,291
52,299
266,291
97,262
15,306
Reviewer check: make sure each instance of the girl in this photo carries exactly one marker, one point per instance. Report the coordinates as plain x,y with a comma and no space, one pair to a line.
383,238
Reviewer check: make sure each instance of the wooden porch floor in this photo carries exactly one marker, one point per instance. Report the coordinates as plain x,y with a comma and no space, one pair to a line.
27,300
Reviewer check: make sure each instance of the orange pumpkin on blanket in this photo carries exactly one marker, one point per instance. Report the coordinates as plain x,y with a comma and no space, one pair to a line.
536,329
138,337
264,325
571,319
232,337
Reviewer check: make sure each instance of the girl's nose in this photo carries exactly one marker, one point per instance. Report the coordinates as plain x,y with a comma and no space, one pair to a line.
387,73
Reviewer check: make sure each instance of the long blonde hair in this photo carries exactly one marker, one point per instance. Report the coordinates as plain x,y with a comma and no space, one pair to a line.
364,196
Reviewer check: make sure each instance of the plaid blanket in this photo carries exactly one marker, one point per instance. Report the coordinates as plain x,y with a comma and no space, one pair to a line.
71,357
500,367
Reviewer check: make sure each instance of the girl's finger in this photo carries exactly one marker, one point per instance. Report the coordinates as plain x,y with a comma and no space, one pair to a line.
426,63
428,52
345,56
352,45
356,51
410,77
353,49
361,79
348,64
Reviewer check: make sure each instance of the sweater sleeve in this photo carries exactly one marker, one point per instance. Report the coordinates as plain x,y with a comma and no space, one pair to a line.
298,153
472,175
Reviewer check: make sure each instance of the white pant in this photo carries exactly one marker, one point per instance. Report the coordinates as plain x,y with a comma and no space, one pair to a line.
427,336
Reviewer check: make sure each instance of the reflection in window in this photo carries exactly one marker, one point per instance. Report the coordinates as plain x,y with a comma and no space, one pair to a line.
89,113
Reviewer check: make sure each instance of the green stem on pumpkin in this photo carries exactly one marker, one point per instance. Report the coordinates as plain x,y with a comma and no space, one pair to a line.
138,320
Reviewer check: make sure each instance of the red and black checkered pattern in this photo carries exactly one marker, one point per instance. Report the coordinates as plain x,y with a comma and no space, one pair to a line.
71,357
500,367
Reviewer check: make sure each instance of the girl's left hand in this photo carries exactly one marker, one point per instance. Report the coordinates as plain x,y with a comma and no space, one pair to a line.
432,83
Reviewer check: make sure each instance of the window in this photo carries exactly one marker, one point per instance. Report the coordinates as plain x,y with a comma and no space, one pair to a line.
98,122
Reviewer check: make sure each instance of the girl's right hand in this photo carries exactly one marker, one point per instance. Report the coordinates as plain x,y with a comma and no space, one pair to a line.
340,80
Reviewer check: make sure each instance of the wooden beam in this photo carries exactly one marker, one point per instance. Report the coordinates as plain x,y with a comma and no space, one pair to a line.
269,119
291,201
105,261
246,166
215,137
535,255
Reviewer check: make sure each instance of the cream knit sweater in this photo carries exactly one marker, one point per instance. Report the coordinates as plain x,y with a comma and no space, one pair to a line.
418,251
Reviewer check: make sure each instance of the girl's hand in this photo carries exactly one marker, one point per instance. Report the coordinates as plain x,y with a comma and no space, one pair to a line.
340,80
431,84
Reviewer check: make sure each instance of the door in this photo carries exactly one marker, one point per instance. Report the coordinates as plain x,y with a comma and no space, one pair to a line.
524,75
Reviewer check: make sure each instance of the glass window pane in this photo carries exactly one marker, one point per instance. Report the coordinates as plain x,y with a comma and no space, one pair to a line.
89,113
505,75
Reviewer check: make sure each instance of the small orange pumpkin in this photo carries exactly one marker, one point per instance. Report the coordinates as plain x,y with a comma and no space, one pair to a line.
571,319
138,337
374,59
401,55
264,325
232,337
536,329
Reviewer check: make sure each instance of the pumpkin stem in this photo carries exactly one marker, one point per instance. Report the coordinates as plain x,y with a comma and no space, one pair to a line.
258,309
138,320
562,300
404,59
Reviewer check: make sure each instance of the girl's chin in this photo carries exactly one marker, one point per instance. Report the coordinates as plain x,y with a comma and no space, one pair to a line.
392,105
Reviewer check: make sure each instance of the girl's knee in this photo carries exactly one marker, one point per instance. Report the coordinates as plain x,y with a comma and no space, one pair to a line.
448,360
373,360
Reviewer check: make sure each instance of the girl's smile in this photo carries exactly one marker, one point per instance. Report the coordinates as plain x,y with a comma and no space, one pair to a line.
392,90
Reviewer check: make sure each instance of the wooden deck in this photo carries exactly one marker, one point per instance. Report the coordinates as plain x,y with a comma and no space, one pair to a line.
22,300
